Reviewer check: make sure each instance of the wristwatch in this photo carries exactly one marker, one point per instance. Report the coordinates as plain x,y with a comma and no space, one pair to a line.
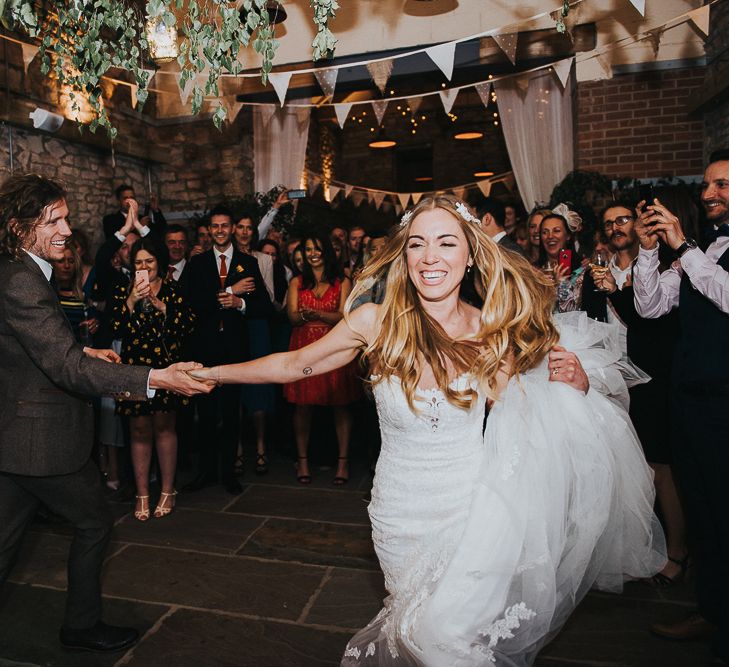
688,244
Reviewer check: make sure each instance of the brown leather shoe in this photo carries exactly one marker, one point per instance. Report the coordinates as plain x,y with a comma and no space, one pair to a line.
694,626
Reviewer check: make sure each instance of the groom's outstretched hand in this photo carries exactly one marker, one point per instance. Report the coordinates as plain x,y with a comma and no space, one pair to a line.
176,378
565,367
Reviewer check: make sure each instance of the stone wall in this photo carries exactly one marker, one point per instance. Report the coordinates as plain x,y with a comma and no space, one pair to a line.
637,125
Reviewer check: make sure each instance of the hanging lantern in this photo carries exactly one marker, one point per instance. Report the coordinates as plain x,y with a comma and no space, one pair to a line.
162,41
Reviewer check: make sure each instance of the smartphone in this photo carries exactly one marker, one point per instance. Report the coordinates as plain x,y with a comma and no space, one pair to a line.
296,194
645,192
141,278
565,259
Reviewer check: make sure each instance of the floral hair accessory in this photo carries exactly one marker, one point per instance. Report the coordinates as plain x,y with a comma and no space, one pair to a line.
573,219
406,217
466,214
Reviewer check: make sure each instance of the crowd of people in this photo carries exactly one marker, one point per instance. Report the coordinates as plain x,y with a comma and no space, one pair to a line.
232,288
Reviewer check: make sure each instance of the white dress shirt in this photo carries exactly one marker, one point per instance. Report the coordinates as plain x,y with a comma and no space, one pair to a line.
266,222
497,237
142,232
228,253
657,294
178,268
620,275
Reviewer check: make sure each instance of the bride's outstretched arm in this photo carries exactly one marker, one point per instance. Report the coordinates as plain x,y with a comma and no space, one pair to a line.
332,351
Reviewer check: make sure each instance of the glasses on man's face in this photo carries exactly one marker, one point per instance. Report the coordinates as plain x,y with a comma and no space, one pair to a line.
620,221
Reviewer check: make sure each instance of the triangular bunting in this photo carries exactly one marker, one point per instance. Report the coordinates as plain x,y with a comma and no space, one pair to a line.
522,83
280,83
448,97
327,79
266,111
357,197
378,196
700,18
342,111
334,190
416,197
133,88
150,74
398,210
348,189
443,55
233,107
484,92
562,69
186,90
370,195
604,63
404,198
414,104
458,192
485,187
30,51
507,43
639,5
379,107
380,72
654,39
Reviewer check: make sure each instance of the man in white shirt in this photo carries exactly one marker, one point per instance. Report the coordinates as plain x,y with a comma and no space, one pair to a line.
177,245
698,285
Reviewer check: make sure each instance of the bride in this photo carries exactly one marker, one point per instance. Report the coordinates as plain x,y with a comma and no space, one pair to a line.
487,540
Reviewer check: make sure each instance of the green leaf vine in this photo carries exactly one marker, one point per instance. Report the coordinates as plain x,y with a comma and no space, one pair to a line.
81,40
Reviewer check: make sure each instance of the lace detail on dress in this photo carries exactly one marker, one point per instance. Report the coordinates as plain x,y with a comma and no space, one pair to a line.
433,408
502,628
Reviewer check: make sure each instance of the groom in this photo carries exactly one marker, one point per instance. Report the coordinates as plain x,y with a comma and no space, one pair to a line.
46,423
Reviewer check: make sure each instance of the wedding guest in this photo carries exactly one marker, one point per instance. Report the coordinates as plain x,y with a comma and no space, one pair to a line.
203,240
651,346
569,273
338,233
150,215
492,214
80,241
697,284
521,238
177,246
340,252
315,304
297,260
225,288
259,401
510,220
354,242
68,274
535,238
152,320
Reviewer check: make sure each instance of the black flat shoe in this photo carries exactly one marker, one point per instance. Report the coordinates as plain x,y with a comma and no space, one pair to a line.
261,464
101,638
233,487
200,482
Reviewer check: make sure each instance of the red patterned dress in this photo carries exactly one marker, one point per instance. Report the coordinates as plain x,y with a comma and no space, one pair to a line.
338,387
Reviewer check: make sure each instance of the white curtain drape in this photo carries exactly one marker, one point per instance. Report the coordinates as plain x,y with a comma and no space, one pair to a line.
279,146
538,128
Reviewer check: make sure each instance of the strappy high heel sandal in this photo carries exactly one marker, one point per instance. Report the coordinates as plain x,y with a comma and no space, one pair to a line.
261,464
339,479
661,580
163,506
142,514
302,479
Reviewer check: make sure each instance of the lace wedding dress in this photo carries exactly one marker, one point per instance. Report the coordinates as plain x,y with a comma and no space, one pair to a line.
488,541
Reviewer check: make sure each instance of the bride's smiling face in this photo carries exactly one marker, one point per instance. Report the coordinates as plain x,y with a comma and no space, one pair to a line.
437,254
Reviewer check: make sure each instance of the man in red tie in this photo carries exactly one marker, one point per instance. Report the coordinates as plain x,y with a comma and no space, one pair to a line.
224,287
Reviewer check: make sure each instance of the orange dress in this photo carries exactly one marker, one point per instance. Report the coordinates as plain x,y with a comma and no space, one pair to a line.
338,387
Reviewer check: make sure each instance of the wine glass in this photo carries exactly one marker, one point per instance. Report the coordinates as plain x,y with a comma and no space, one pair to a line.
599,266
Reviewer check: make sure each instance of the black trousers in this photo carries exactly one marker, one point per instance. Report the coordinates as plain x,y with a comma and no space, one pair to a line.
701,463
222,403
76,497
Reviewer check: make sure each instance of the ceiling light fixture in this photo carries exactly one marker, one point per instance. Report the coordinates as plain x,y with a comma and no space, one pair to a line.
467,135
483,174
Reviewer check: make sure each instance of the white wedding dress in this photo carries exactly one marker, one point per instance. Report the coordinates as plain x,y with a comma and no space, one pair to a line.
488,541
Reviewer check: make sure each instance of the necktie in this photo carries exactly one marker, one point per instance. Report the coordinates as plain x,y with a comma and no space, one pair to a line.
170,273
223,272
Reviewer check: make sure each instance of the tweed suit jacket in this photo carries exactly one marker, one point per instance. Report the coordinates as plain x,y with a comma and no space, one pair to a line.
46,419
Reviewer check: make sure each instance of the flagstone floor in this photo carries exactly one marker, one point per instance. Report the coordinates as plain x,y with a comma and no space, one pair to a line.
281,575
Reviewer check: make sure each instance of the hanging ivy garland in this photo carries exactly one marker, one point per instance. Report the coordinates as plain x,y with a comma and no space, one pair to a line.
80,40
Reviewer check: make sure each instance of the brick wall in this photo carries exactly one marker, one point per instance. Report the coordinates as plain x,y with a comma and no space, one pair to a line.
636,125
716,115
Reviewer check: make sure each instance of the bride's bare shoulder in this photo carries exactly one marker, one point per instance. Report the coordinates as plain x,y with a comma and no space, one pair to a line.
365,321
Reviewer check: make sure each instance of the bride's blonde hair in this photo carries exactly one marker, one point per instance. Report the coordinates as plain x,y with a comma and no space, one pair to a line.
516,323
